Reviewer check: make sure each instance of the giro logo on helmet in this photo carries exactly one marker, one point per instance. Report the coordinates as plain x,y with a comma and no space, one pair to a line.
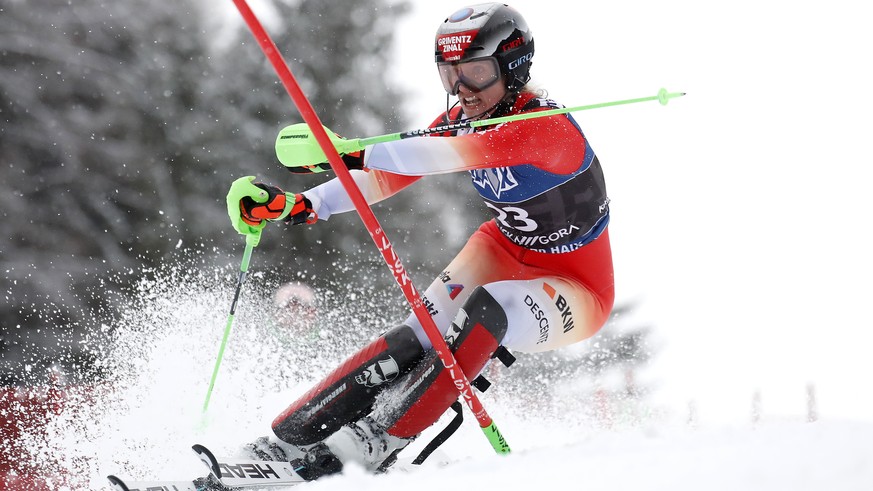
515,64
512,44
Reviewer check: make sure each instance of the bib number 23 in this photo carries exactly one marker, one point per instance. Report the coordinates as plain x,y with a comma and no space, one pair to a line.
514,217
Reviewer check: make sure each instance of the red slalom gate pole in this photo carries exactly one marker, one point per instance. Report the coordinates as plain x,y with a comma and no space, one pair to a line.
366,213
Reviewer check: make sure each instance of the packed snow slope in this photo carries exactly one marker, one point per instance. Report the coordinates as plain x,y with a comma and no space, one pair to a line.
773,456
577,433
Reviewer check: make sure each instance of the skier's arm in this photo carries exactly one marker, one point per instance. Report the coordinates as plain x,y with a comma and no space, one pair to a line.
553,143
331,197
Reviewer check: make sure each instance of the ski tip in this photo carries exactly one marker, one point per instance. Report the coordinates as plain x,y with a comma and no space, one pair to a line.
117,484
207,458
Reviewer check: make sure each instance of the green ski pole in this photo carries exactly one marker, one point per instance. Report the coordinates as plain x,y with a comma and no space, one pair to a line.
251,240
296,146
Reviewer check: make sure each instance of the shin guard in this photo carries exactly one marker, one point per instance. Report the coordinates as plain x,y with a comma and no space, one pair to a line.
348,392
429,390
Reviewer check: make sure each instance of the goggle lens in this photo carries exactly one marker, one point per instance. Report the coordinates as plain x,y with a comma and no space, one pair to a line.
476,75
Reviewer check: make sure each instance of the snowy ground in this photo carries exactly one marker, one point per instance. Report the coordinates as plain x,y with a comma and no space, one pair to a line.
773,456
141,424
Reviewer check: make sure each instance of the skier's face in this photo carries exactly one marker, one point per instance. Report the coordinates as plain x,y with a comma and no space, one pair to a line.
476,103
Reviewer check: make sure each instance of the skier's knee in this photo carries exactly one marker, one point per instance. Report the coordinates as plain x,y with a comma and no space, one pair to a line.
481,309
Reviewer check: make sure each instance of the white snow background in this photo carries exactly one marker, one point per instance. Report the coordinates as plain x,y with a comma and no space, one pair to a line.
740,221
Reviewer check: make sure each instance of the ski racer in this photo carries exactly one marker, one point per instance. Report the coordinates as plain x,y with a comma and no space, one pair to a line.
536,277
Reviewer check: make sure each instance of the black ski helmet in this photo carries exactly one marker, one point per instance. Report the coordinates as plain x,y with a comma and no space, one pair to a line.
488,30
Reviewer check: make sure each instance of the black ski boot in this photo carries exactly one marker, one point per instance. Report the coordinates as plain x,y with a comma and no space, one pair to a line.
317,462
310,462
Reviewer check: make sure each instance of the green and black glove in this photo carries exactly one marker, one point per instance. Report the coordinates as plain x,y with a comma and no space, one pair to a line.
251,204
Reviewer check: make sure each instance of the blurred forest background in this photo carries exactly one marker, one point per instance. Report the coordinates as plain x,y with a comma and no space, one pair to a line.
122,125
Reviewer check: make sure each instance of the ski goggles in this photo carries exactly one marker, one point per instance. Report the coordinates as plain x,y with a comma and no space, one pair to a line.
476,75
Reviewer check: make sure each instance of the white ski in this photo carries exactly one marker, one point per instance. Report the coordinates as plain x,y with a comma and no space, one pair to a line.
247,473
